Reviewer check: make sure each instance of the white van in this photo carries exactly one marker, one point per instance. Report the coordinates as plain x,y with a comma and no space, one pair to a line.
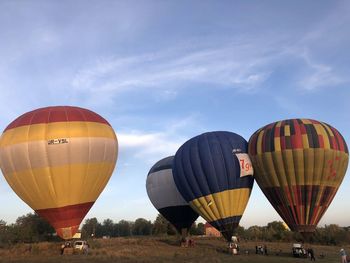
80,245
299,251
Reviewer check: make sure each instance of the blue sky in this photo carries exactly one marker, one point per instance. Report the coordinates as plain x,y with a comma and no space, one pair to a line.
162,72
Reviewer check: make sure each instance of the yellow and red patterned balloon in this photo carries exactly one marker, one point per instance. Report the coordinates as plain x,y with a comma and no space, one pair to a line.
299,165
58,160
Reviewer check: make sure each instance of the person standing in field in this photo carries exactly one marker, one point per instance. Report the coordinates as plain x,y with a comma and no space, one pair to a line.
86,248
343,256
62,248
311,254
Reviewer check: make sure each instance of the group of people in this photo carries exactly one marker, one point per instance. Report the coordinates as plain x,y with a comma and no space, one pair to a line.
187,242
65,245
84,248
234,248
261,250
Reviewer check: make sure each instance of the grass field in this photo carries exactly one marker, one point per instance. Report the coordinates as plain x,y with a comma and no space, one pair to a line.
158,249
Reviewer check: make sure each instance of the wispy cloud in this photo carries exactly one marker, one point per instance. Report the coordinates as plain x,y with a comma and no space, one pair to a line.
229,66
239,66
325,37
148,144
152,146
313,72
319,75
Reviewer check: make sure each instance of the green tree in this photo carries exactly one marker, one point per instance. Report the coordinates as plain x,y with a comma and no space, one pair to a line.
197,229
200,229
3,232
32,228
108,228
92,228
193,229
142,227
171,230
124,228
240,232
254,233
330,235
275,231
160,225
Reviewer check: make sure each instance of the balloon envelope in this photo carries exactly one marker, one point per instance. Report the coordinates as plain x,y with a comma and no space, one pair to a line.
58,160
213,173
165,197
299,165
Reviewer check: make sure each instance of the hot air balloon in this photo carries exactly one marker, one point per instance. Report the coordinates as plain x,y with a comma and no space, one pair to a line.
213,173
58,160
165,197
299,165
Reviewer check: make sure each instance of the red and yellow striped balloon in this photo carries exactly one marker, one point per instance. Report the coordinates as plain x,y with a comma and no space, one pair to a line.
299,164
58,160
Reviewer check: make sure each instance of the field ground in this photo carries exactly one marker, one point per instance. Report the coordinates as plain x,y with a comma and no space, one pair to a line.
163,249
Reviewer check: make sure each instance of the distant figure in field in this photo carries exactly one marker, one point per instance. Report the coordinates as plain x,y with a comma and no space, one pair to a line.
86,248
235,248
62,248
343,256
311,254
230,247
265,250
183,242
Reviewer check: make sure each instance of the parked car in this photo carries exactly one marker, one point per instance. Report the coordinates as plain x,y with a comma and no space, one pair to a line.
299,251
81,245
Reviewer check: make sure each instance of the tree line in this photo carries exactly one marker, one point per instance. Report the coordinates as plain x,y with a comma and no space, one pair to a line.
276,231
32,228
140,227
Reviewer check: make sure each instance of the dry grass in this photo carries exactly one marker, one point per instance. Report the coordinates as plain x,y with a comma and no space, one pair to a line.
157,249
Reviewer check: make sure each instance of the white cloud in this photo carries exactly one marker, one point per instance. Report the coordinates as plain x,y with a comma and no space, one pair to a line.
237,65
148,146
228,66
322,76
152,146
328,35
312,74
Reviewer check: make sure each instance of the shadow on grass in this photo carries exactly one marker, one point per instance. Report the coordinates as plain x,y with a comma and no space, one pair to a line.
171,242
